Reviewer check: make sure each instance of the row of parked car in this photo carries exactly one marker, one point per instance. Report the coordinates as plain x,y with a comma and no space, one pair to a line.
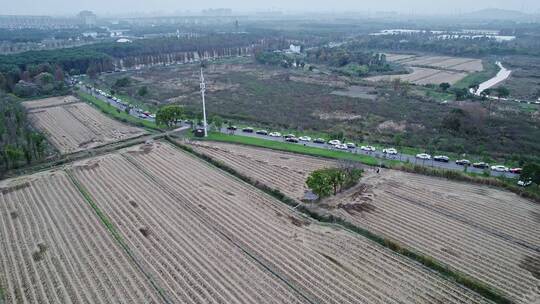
465,162
140,113
337,144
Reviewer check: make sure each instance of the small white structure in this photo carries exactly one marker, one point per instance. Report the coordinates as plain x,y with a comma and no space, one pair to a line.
295,48
123,40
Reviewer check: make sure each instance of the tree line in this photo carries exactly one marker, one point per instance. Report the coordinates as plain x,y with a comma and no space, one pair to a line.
19,143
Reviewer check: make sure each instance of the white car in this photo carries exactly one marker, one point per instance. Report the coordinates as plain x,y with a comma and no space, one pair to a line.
351,145
524,183
390,151
341,147
423,156
368,148
305,138
274,134
334,142
499,168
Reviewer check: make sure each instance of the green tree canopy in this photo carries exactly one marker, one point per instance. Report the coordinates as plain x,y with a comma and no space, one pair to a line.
531,171
333,180
169,115
444,86
502,92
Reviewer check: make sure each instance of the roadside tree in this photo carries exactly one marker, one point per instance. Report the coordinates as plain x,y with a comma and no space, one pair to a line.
169,115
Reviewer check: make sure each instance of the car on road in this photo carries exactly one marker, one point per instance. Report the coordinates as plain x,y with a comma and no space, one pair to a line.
441,158
390,151
368,148
481,165
463,162
524,183
341,147
248,130
351,145
291,139
304,138
334,142
289,136
319,141
274,134
230,128
423,156
515,170
262,132
499,168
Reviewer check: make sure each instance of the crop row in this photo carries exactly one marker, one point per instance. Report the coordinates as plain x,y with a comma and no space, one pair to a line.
468,240
55,250
322,263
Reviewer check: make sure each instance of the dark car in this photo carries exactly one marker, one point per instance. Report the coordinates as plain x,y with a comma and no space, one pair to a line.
441,158
292,139
232,128
463,162
247,130
319,141
289,136
262,132
481,165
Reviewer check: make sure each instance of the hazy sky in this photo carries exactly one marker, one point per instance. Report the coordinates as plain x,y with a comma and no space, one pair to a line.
110,7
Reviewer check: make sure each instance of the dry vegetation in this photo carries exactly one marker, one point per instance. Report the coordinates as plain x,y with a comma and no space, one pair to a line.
486,233
72,126
55,250
324,264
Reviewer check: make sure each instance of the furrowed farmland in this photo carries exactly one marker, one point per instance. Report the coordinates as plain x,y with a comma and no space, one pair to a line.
432,69
187,232
55,250
324,264
486,233
73,126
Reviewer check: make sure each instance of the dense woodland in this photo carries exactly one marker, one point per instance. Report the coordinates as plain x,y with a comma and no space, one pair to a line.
19,143
97,58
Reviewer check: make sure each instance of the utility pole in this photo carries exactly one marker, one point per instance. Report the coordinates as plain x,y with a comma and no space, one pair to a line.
203,89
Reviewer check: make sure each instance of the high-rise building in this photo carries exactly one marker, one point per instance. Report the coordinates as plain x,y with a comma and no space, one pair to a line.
87,18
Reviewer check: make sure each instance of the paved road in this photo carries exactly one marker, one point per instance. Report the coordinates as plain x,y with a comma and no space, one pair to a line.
113,103
378,154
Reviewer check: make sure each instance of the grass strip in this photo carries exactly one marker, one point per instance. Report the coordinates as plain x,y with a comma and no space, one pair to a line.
114,112
295,148
117,236
2,295
490,70
427,261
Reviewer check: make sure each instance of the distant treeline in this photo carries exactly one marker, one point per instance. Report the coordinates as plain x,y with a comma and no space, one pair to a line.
348,59
526,45
101,57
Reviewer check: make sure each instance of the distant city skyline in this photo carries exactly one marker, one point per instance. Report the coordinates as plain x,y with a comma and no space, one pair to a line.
171,7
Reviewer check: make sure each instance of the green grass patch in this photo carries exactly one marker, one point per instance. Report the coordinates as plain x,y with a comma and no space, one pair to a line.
120,115
490,70
136,102
297,148
438,95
